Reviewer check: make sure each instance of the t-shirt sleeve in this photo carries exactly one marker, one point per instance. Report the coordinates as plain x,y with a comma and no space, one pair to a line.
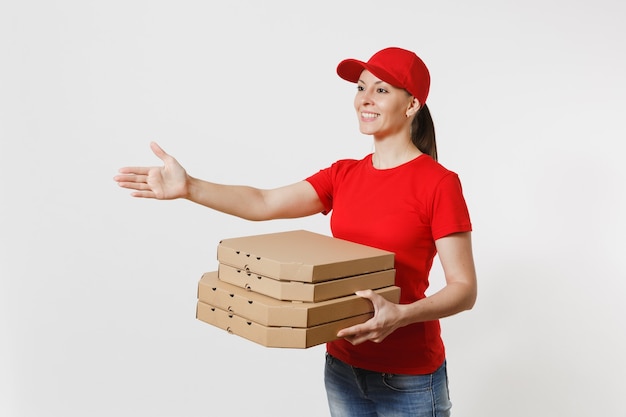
322,182
450,213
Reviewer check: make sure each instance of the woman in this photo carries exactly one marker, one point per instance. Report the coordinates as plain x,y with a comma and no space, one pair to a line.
400,199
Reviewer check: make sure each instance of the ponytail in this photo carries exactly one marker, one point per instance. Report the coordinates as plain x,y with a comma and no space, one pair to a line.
423,132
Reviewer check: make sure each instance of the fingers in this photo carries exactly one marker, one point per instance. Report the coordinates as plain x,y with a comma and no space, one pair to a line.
132,181
166,182
360,333
352,331
133,185
143,194
377,300
369,294
158,151
131,177
135,170
169,162
139,183
377,328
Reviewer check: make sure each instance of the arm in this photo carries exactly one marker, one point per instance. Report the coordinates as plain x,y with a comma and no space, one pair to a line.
171,181
459,294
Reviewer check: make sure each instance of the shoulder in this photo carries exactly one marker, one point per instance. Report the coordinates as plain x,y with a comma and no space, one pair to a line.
335,173
429,178
433,170
344,166
349,163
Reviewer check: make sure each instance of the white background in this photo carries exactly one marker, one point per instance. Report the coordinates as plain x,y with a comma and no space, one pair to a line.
98,290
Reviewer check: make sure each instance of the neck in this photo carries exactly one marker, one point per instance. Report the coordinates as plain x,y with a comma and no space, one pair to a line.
388,155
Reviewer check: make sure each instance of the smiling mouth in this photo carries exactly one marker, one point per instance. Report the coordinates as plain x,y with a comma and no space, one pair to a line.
369,115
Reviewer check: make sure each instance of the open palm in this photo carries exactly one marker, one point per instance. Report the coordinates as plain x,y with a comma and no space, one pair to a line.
163,183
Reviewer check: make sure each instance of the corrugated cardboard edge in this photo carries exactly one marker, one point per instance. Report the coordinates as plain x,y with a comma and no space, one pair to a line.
277,337
247,253
303,291
269,311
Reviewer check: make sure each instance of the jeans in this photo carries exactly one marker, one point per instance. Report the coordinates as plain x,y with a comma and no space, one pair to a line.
359,392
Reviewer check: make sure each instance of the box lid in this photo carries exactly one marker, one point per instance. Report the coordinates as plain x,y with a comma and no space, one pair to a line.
301,255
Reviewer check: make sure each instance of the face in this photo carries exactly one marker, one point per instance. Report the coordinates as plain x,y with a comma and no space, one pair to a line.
381,108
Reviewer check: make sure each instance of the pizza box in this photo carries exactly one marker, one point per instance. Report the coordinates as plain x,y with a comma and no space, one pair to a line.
301,255
302,291
271,336
269,311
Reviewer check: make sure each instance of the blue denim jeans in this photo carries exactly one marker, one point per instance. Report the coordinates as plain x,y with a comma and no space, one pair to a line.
359,392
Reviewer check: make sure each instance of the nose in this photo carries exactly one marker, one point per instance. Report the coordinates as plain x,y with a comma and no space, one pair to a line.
366,97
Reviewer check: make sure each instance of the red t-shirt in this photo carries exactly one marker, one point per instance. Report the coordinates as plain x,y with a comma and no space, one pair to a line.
401,210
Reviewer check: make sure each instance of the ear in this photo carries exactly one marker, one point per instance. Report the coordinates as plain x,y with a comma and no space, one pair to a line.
413,107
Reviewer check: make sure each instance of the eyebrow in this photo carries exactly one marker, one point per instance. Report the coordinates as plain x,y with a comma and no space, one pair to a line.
376,82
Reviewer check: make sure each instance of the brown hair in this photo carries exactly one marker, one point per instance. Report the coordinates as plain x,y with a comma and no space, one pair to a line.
423,132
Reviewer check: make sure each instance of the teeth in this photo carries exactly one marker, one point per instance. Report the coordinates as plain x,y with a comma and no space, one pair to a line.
369,115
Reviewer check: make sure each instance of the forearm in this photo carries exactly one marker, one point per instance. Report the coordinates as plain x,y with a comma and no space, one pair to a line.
452,299
388,317
237,200
459,294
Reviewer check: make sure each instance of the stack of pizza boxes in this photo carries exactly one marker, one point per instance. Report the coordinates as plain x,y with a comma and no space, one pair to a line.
293,289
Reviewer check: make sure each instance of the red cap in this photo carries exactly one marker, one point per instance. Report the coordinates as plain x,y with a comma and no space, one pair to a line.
396,66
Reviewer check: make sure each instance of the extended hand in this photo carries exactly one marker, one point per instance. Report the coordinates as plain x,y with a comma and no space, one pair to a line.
163,183
386,319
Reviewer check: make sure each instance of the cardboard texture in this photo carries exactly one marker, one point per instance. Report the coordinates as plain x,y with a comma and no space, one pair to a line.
283,337
301,291
269,311
302,256
293,289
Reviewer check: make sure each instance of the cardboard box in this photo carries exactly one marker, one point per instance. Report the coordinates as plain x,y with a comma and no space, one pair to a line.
302,256
301,291
269,311
283,337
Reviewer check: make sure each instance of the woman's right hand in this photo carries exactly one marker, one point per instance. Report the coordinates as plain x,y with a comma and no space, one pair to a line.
167,182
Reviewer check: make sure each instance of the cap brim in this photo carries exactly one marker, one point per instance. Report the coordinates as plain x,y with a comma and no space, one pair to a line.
351,69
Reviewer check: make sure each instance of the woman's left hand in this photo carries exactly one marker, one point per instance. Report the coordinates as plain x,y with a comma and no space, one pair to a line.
387,318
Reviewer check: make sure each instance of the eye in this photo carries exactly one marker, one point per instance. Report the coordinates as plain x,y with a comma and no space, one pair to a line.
359,88
381,90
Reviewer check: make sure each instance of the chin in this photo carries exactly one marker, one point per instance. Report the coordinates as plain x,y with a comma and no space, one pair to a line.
366,131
